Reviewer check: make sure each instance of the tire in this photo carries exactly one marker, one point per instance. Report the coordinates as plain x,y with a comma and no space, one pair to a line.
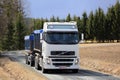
44,70
31,63
75,70
36,64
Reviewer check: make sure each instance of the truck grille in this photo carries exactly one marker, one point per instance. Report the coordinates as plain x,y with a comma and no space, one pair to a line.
62,53
62,60
62,64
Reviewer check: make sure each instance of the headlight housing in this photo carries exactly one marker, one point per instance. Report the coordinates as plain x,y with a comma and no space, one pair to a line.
76,61
48,60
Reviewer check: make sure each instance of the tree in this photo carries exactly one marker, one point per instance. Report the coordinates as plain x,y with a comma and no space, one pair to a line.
101,28
68,18
90,27
37,23
84,24
2,22
52,19
8,39
109,20
46,20
116,22
20,29
42,23
99,25
58,20
78,25
20,32
75,18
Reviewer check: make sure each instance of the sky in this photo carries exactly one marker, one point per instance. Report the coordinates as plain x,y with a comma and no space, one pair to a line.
61,8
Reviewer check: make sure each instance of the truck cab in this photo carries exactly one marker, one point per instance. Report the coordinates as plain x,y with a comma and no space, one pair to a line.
60,46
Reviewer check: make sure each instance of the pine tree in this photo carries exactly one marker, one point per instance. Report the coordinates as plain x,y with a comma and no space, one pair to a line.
8,39
84,25
116,29
96,25
79,25
52,19
58,20
109,27
42,23
101,29
68,18
20,32
75,18
90,26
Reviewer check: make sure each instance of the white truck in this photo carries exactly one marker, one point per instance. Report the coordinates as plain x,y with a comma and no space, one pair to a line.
57,47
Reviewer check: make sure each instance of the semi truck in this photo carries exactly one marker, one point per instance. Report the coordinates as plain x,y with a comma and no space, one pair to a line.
56,46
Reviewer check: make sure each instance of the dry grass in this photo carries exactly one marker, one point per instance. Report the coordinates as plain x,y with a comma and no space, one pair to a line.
101,57
10,70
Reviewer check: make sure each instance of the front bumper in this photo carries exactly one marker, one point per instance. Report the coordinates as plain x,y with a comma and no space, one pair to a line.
60,64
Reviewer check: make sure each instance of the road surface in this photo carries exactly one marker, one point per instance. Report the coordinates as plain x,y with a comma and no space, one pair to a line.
81,75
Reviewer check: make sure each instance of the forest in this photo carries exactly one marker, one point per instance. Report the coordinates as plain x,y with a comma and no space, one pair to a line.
97,26
12,25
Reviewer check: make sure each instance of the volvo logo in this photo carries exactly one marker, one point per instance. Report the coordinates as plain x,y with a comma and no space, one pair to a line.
63,53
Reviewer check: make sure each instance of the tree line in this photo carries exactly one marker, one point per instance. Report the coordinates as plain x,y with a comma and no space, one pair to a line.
14,25
12,28
97,26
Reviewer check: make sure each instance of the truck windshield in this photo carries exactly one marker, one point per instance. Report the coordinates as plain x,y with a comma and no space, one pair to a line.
61,37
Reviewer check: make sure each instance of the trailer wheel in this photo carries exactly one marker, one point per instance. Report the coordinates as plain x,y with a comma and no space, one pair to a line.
36,64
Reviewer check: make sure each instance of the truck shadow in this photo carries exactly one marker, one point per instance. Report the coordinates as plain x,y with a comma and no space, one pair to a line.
82,72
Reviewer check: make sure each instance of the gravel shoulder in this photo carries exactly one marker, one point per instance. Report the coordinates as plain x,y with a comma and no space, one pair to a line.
101,57
11,70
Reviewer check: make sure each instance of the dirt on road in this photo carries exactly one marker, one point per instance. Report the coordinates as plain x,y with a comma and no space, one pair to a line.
11,70
101,57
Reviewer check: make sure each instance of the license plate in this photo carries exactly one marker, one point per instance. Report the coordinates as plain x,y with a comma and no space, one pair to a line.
62,67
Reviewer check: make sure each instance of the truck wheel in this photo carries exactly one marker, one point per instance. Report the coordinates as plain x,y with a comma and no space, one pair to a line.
44,70
75,70
36,64
32,60
31,63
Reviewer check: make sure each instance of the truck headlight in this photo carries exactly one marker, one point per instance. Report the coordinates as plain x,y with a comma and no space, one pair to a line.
76,60
48,60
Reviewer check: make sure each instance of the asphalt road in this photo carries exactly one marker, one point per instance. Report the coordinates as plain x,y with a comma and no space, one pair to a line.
61,75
